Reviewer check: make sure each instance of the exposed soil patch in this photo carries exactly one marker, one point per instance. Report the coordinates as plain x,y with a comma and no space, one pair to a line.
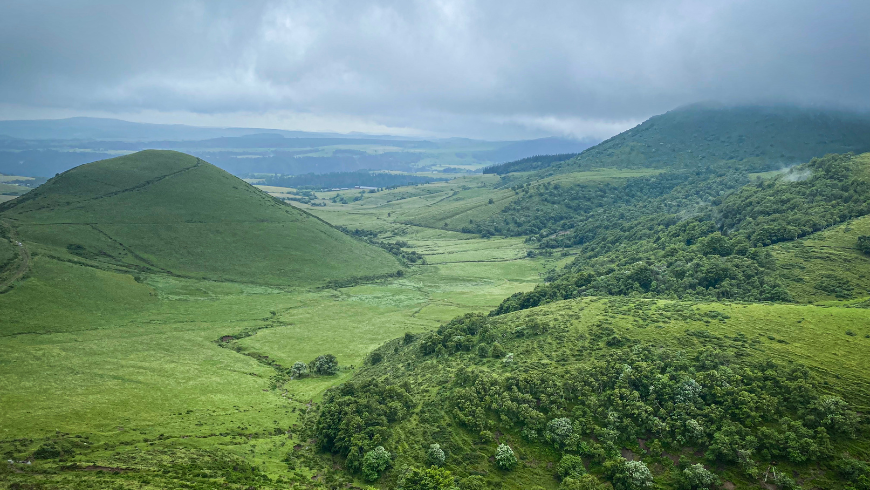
628,454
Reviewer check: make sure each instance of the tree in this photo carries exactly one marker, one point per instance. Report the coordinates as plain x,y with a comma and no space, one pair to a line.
864,244
559,430
482,350
570,467
375,462
585,482
427,479
696,477
299,370
505,457
326,365
497,351
435,455
629,475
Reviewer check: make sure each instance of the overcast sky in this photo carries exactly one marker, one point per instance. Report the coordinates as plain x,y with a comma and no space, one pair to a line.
492,69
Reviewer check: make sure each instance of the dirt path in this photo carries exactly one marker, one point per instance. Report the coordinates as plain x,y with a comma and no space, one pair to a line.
15,272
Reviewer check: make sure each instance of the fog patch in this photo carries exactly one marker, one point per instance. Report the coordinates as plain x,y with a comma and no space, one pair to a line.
795,174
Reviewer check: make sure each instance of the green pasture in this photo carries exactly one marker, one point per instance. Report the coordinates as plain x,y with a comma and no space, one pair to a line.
826,265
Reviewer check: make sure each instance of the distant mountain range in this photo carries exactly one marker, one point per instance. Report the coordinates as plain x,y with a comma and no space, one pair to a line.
46,147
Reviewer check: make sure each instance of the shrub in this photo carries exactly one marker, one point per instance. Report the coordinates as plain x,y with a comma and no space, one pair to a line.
559,430
696,477
585,482
326,365
570,467
299,370
505,457
629,475
375,462
497,351
435,455
375,358
483,350
427,479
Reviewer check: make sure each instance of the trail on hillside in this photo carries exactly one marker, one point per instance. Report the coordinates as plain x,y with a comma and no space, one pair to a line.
17,272
136,187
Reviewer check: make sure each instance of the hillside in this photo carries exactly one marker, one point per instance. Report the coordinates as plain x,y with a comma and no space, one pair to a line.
754,138
737,247
170,213
728,394
701,151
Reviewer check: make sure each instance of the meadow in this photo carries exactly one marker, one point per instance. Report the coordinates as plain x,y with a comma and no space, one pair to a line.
132,376
133,362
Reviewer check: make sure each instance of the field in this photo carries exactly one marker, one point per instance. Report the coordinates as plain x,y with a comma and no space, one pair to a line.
149,378
135,363
827,265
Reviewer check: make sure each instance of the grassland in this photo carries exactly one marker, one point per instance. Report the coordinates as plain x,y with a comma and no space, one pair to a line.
131,360
826,265
832,341
158,378
167,212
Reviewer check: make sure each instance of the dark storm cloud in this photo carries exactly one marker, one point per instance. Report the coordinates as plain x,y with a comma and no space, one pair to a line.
482,68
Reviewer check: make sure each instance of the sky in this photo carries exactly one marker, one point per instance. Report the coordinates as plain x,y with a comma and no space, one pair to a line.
482,69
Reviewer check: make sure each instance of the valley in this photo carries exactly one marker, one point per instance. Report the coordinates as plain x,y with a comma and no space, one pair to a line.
167,325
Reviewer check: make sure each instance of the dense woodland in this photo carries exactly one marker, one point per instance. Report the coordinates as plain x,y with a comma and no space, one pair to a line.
583,398
652,247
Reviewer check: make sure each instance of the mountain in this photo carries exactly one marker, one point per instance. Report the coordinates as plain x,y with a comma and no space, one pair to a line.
94,128
756,138
171,213
541,146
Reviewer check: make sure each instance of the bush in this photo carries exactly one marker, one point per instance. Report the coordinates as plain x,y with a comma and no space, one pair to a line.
864,244
497,351
629,475
571,467
505,457
435,455
585,482
299,370
483,350
696,477
375,358
559,430
326,365
375,462
428,479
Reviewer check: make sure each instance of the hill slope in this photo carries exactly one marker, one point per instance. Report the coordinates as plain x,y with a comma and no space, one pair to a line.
167,212
755,138
585,386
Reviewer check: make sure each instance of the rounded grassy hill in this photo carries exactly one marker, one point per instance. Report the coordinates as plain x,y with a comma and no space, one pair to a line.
172,213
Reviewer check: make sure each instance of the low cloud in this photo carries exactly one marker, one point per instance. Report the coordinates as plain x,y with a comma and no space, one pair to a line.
489,69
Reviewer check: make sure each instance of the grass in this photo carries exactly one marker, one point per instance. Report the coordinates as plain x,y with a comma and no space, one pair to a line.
172,213
91,347
106,345
784,333
12,189
826,265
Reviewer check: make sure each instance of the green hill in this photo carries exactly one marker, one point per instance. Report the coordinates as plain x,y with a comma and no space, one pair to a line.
731,394
171,213
752,137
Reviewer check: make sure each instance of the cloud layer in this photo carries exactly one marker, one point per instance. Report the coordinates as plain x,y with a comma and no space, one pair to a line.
498,69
